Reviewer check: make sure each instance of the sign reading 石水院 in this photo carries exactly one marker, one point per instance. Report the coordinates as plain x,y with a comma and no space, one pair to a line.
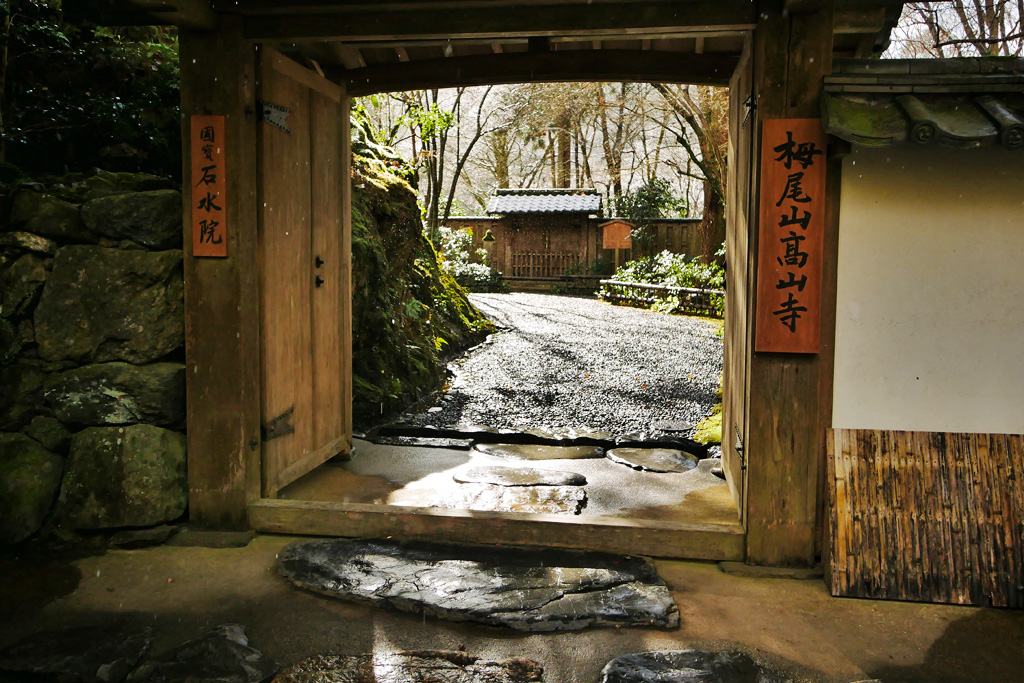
209,187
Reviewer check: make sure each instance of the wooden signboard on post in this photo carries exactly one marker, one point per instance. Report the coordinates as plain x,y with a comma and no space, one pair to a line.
209,187
616,235
791,236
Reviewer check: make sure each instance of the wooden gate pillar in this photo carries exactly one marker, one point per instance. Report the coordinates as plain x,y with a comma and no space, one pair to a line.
790,396
221,294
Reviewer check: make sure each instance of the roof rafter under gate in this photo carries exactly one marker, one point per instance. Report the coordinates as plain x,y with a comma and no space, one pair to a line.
591,66
495,19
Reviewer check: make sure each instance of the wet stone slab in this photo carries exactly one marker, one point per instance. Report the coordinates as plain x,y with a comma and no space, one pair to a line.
222,655
531,452
519,476
93,653
411,667
654,459
525,590
552,500
688,666
425,442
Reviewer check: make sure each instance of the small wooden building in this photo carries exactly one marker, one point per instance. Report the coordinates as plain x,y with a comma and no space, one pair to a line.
544,232
548,233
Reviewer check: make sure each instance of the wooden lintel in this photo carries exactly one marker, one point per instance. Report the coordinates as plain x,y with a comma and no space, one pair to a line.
693,541
195,15
575,65
612,18
853,20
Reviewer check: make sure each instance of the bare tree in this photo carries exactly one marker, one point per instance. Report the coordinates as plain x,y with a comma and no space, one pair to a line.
960,28
700,123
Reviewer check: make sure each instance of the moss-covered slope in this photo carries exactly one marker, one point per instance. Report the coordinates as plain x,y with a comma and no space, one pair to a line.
409,315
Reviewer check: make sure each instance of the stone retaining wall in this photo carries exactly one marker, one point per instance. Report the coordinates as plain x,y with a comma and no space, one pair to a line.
92,407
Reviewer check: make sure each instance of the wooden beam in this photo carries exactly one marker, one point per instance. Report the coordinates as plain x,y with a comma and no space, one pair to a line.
694,541
222,318
575,65
194,15
860,20
619,18
349,56
787,420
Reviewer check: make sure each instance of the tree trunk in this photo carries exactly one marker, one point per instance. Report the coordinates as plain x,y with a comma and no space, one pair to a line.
712,225
499,147
564,165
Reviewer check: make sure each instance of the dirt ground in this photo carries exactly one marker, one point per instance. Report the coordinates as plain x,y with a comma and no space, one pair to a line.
182,591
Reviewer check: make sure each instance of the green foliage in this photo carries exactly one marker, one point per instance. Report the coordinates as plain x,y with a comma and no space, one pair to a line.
409,313
374,144
432,120
709,430
79,96
467,265
672,270
642,207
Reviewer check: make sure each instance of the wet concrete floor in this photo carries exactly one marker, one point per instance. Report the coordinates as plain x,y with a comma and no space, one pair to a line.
182,592
425,477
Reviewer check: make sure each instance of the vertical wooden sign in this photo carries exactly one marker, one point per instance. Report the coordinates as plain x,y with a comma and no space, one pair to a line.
209,187
791,236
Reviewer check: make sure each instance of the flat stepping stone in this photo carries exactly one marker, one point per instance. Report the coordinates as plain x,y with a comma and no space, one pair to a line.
663,460
550,500
519,476
525,590
533,452
430,666
425,442
688,666
92,653
222,655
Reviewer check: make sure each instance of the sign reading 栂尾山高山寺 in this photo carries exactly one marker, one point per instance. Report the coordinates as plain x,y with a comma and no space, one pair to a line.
209,187
791,236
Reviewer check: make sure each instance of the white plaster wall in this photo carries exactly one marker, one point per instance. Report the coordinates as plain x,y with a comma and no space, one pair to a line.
930,318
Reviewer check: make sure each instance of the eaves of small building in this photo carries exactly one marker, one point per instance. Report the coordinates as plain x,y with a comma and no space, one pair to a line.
964,103
507,201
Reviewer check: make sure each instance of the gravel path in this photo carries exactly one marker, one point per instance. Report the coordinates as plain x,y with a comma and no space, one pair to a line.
569,363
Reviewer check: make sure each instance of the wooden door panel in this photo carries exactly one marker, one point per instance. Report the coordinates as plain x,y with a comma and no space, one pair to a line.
285,280
325,148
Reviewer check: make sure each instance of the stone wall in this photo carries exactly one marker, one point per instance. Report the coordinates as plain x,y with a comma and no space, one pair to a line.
92,408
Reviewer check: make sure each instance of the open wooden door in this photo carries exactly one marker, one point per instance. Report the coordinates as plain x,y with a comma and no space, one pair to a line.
305,292
739,252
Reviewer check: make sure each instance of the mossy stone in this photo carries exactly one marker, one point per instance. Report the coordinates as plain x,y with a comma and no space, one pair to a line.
103,304
29,478
123,477
152,219
118,394
49,431
50,216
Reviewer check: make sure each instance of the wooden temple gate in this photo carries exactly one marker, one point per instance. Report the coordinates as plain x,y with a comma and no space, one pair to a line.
259,411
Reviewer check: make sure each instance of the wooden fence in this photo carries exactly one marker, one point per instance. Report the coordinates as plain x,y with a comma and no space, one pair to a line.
542,264
708,302
926,516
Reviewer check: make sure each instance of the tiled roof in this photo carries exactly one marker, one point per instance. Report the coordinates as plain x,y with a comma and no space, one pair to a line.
517,201
970,102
